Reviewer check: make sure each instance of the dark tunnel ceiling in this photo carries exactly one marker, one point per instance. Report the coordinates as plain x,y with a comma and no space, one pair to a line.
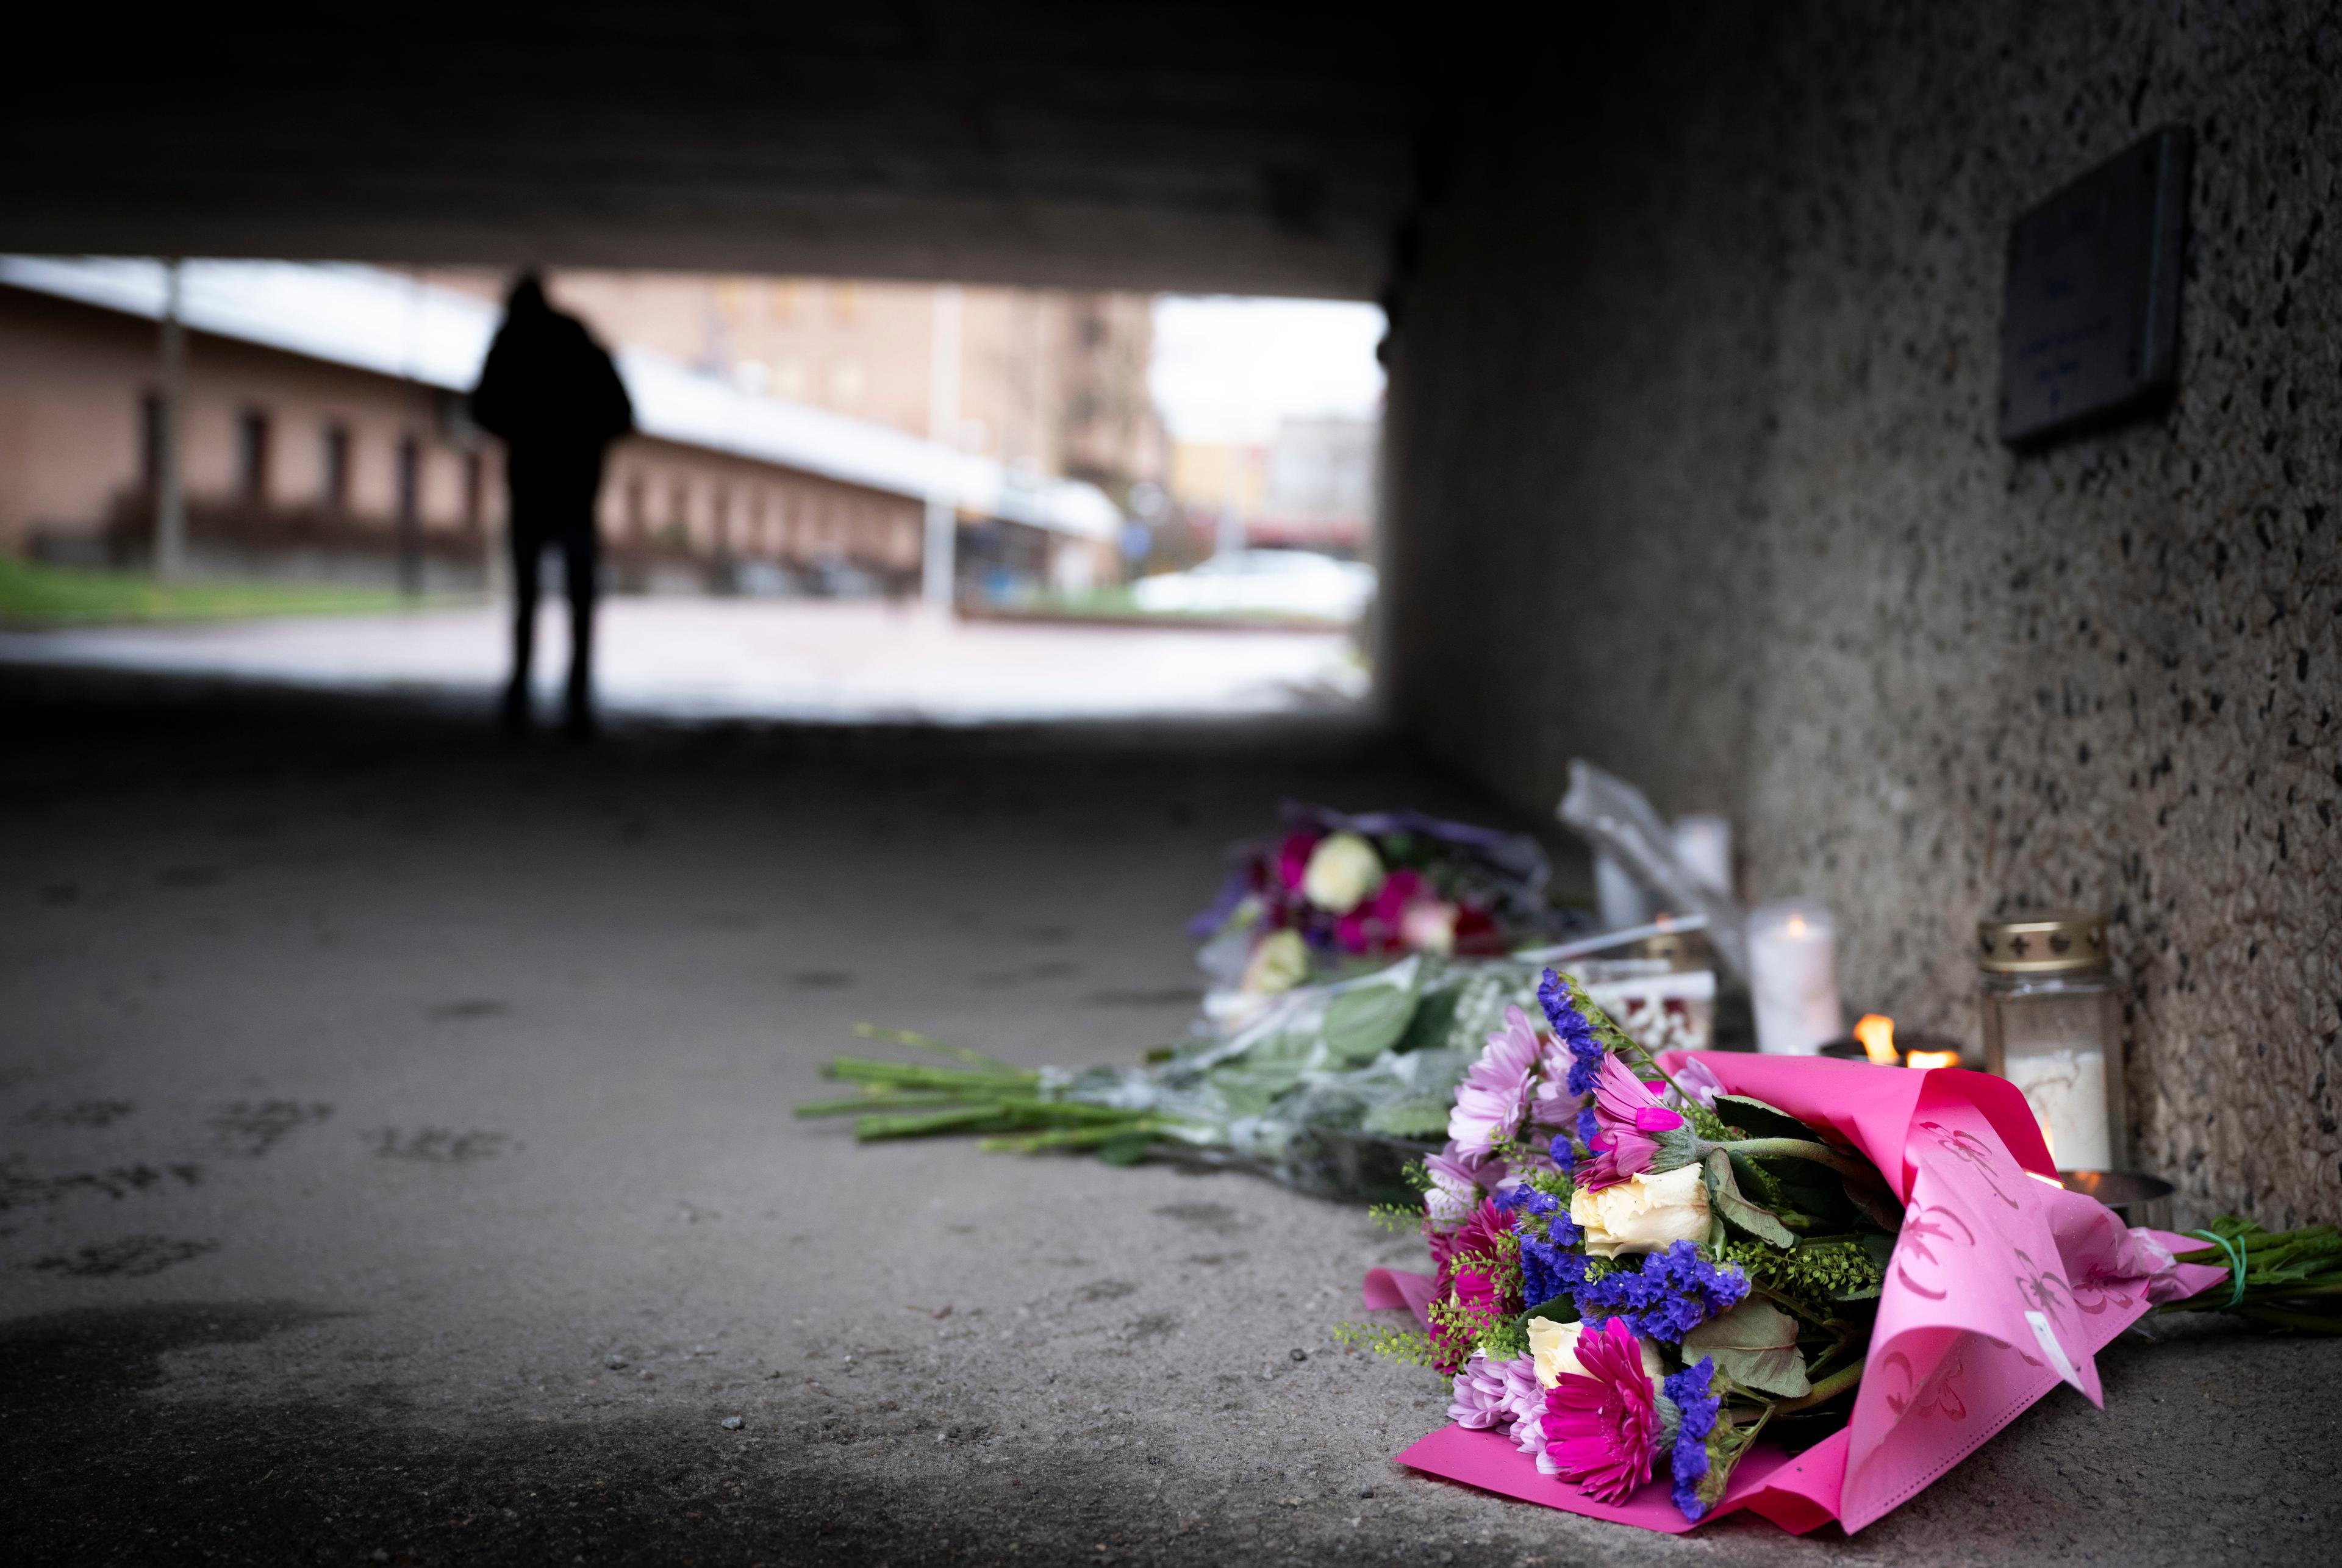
1205,147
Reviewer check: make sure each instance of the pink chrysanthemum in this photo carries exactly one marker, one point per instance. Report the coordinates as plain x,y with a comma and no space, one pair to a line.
1469,1287
1476,1237
1602,1429
1501,1396
1490,1100
1466,1257
1480,1394
1626,1114
1551,1104
1455,1191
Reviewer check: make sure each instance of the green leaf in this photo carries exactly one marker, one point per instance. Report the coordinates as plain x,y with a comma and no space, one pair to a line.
1363,1024
1560,1309
1759,1120
1435,1014
1880,1206
1724,1197
1126,1148
1801,1184
1420,1118
1755,1345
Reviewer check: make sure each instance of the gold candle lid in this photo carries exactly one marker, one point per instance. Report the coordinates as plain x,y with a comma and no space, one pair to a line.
2046,943
1678,950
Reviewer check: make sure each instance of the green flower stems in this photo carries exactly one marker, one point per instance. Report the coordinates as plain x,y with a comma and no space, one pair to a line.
2285,1273
918,1099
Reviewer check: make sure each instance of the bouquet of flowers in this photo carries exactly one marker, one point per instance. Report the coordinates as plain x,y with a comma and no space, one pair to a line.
1336,894
1669,1287
1332,1088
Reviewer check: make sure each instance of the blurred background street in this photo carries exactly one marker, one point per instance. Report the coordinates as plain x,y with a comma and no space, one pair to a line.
819,661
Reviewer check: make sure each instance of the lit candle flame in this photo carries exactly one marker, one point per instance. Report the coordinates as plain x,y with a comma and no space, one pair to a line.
2051,1142
1923,1060
1876,1032
2046,1181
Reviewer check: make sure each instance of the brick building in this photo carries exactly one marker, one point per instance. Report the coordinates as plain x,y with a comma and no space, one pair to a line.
1041,381
324,434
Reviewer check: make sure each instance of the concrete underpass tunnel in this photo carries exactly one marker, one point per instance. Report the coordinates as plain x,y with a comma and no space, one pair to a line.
1692,459
924,173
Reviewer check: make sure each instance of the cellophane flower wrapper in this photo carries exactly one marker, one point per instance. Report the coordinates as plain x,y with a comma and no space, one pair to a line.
2001,1285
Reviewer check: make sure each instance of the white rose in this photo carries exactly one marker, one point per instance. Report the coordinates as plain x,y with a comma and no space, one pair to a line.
1278,963
1553,1347
1343,872
1643,1213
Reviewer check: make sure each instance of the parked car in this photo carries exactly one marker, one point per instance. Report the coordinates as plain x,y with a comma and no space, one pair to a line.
1262,581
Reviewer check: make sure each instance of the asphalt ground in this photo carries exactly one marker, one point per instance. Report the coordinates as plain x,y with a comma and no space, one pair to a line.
396,1165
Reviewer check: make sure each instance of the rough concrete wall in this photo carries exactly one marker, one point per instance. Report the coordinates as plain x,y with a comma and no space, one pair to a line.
1695,475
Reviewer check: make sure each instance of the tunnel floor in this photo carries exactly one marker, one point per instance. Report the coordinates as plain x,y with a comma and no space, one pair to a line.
396,1165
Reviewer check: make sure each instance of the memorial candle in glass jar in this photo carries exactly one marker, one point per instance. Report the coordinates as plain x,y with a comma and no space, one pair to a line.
1792,976
2050,1028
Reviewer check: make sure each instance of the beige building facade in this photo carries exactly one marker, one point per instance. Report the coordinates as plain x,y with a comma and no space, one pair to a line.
1044,381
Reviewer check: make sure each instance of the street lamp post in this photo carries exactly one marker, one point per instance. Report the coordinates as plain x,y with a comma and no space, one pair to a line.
938,565
170,492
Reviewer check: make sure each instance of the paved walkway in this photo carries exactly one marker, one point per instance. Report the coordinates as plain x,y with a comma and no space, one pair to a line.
801,660
396,1165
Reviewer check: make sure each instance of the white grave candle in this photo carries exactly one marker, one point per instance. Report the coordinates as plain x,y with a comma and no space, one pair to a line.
1792,976
2066,1087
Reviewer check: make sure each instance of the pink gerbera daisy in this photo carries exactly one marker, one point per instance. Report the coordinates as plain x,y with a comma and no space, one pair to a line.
1602,1428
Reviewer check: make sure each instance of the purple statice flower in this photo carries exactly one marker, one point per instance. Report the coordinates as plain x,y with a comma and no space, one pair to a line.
1520,1197
1589,1127
1480,1400
1550,1265
1549,1269
1564,1153
1673,1292
1572,1031
1693,1390
1494,1092
1626,1114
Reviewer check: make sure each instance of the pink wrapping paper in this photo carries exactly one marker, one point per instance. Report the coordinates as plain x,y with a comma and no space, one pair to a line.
2002,1285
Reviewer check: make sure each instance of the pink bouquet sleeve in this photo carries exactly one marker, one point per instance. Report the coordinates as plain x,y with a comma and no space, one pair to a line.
2001,1286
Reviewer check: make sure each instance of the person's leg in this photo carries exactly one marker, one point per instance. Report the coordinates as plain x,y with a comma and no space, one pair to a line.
581,554
527,548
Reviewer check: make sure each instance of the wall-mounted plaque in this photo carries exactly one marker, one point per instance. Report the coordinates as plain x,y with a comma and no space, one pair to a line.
2090,325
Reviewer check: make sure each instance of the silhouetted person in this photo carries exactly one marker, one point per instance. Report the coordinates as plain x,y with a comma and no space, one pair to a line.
551,392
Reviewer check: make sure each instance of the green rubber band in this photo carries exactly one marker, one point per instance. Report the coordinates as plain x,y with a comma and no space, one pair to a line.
2234,1251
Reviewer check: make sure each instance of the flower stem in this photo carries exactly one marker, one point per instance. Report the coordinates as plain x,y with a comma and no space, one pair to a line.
1830,1387
1801,1149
